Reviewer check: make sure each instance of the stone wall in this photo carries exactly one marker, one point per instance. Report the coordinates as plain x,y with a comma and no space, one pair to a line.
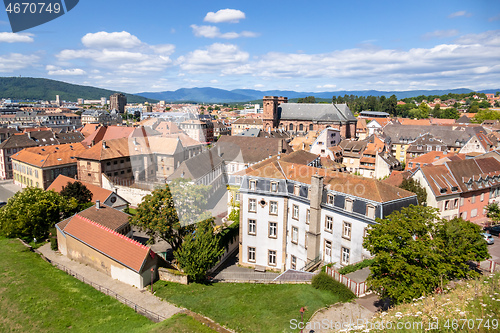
166,275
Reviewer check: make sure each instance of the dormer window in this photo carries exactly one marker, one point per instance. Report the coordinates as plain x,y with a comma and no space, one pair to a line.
252,185
274,187
296,190
329,199
348,205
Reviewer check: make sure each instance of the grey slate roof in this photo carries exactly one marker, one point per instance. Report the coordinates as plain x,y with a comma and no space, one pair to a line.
451,137
198,165
316,112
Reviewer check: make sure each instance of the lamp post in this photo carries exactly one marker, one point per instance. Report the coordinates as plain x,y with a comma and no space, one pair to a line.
302,310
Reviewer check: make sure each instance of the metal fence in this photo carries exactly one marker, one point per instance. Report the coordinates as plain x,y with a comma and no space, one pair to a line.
137,308
358,288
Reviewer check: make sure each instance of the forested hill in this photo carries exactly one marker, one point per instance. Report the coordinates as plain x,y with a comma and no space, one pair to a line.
45,89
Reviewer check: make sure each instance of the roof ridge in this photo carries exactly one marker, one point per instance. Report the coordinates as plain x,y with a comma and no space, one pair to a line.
112,231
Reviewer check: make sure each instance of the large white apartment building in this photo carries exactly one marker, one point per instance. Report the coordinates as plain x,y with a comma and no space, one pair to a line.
297,216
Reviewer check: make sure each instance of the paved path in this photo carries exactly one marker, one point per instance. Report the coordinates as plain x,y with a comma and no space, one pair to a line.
141,297
338,317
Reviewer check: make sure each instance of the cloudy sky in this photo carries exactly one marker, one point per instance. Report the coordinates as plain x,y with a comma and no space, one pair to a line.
326,45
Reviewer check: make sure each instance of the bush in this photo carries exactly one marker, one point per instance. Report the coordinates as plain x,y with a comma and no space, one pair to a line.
323,281
53,244
356,267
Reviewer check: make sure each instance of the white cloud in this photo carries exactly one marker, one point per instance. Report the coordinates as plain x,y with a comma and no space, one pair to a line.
327,86
214,58
258,85
10,37
460,13
210,31
494,18
103,39
166,49
225,15
67,72
16,61
440,34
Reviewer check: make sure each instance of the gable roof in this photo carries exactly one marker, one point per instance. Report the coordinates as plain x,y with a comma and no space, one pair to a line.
47,156
250,149
318,112
108,133
98,193
118,247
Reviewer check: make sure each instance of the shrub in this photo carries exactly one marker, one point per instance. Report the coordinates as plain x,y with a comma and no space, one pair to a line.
356,267
323,281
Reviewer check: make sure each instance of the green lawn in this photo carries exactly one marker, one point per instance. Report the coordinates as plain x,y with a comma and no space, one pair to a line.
248,307
37,297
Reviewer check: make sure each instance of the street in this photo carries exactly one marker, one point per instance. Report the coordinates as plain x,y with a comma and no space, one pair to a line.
8,189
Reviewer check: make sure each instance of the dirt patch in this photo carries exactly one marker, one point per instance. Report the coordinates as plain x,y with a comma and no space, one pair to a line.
332,318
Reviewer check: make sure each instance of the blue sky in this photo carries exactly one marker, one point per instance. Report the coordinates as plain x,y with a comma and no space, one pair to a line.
327,45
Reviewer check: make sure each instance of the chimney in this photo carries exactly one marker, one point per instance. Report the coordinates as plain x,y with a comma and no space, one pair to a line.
97,204
29,135
103,144
280,146
314,233
93,143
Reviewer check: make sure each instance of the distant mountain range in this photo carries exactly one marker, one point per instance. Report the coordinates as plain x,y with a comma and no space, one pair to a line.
214,95
45,89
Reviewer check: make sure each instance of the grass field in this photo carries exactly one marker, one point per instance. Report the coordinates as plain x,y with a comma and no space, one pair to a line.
248,307
37,297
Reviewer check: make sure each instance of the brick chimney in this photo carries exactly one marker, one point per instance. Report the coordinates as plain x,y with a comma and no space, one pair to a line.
280,146
97,204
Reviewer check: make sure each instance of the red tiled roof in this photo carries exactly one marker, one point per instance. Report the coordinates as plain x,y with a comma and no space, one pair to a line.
98,193
116,246
47,156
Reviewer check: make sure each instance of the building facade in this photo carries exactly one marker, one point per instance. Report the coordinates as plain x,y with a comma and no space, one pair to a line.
117,102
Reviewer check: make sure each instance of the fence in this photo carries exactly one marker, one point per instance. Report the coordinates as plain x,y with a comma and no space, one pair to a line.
358,288
137,308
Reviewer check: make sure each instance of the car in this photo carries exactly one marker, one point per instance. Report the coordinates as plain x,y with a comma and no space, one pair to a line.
2,203
494,230
488,238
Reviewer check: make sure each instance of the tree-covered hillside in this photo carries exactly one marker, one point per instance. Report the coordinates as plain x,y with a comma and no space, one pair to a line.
45,89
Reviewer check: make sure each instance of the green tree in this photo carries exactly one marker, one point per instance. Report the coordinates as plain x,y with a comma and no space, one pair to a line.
414,186
493,212
437,112
170,213
199,252
450,113
32,212
416,251
78,191
308,99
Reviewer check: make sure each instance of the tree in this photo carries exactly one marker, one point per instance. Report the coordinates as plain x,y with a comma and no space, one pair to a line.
450,113
416,251
78,191
493,212
308,99
414,186
32,212
199,252
170,213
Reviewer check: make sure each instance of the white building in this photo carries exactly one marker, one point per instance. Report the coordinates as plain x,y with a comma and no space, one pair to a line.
329,137
297,216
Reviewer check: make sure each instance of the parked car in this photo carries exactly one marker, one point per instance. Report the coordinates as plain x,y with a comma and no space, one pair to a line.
495,230
488,238
2,203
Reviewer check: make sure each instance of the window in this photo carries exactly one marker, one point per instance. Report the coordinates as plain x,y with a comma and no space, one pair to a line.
291,127
295,235
251,254
308,216
274,187
293,261
329,199
473,199
295,211
252,227
328,250
365,232
348,205
473,213
252,205
311,127
252,184
272,258
329,223
370,211
301,127
346,232
273,208
482,197
462,201
345,255
273,229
